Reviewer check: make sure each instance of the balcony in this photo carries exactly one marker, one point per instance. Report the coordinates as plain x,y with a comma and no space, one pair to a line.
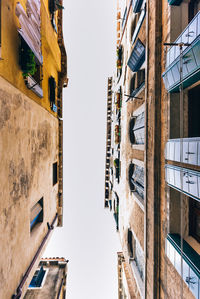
184,180
137,5
137,56
187,152
191,262
191,58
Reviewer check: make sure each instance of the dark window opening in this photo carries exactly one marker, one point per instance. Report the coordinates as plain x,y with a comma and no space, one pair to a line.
130,243
55,173
136,179
136,129
193,8
132,83
140,77
37,279
194,219
36,215
193,112
52,93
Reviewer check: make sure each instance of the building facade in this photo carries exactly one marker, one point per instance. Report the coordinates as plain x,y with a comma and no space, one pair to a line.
49,280
32,74
152,170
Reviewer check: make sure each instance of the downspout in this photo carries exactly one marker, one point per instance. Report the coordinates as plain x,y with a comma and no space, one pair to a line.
146,156
60,288
19,288
62,82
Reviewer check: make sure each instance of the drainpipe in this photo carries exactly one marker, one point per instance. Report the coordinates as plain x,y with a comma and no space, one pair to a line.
146,155
19,289
60,288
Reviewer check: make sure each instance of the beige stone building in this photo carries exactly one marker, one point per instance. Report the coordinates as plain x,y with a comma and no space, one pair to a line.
49,280
152,159
32,75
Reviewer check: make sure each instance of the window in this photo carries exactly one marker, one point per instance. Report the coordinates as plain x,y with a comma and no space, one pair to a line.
136,253
137,56
194,220
54,5
38,278
131,244
136,129
193,112
193,8
52,93
55,173
36,215
136,179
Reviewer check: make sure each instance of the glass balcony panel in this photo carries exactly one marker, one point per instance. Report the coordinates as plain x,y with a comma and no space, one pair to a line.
171,54
198,24
171,150
193,285
177,151
177,49
189,61
198,182
185,37
192,152
193,185
171,255
177,179
170,176
185,176
196,51
192,31
177,262
167,145
176,73
185,152
198,154
166,81
186,269
170,78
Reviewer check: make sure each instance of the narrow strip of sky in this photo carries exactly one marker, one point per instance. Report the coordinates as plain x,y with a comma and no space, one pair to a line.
88,238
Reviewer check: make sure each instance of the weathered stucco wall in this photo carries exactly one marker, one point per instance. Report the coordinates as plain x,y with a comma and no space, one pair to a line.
9,64
28,147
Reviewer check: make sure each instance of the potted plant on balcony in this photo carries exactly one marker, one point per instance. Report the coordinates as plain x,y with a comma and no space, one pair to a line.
27,61
119,57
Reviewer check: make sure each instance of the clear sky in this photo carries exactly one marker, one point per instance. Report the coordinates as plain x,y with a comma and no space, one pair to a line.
88,238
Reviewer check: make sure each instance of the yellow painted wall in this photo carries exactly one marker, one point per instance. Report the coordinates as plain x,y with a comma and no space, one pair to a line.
9,63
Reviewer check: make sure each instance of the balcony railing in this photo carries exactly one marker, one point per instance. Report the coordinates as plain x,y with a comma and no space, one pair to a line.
191,58
137,56
191,262
184,180
137,5
189,152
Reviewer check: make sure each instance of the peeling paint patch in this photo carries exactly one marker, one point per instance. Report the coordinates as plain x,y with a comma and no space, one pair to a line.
4,108
19,180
